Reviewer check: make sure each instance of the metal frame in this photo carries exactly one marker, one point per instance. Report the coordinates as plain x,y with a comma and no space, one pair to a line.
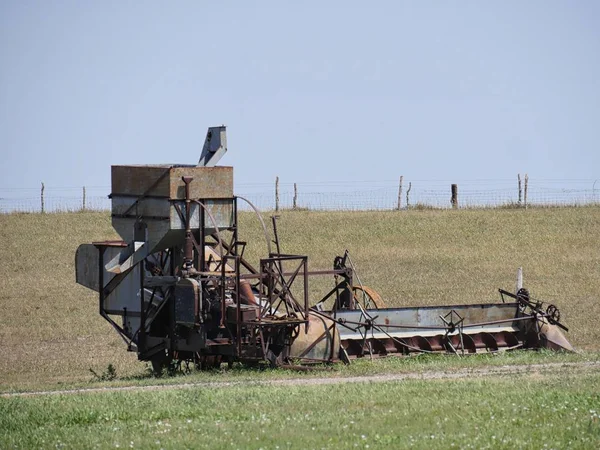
280,313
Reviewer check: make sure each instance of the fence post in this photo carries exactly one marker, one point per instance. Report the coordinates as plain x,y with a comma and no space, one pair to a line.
525,193
408,192
520,189
276,193
83,203
454,199
400,192
42,197
295,196
519,279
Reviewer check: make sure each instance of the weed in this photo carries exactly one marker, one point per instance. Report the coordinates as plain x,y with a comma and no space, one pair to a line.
423,207
109,374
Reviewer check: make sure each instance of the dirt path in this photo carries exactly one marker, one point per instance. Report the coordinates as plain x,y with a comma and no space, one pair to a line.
427,375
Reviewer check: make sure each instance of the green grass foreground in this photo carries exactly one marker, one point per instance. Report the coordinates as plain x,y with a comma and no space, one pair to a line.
533,411
393,365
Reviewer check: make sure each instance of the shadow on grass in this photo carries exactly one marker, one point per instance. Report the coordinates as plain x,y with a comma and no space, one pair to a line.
358,367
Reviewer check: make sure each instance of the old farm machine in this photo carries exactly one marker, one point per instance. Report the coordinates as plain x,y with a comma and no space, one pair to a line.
178,287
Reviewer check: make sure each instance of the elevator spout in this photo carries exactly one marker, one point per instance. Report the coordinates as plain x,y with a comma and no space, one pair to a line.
215,146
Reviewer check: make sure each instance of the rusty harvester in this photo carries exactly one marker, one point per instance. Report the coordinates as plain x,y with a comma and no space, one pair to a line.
177,288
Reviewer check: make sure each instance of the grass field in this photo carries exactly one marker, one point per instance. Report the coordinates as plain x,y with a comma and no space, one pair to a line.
51,336
533,411
51,333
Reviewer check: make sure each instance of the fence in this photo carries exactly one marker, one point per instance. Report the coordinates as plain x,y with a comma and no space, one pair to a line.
340,195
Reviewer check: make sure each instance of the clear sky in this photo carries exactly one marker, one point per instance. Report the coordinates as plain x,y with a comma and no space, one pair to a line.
310,91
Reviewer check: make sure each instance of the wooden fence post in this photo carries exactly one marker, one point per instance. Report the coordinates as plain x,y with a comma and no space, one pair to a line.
400,192
42,198
520,189
408,192
276,193
295,204
519,279
83,202
525,192
454,198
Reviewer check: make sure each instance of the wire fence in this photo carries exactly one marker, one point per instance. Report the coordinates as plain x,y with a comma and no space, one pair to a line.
338,196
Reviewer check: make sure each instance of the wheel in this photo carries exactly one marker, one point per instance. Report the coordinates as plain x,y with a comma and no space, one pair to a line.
553,314
161,361
207,362
367,297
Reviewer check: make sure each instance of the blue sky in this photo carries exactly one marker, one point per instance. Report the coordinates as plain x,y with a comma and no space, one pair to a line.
312,92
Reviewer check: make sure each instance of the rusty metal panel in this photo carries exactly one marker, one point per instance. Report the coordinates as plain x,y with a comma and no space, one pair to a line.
165,181
319,343
426,321
157,231
208,182
147,207
472,314
177,222
155,212
137,179
146,193
86,266
221,210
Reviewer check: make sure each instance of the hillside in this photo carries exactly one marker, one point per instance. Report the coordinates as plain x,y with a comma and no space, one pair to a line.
50,330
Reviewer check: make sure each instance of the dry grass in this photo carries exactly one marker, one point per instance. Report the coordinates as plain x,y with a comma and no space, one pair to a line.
442,257
50,330
49,327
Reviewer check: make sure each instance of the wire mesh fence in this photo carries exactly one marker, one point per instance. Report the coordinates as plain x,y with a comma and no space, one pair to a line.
387,199
332,196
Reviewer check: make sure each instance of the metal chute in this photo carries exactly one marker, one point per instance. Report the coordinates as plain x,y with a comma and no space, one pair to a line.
215,146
